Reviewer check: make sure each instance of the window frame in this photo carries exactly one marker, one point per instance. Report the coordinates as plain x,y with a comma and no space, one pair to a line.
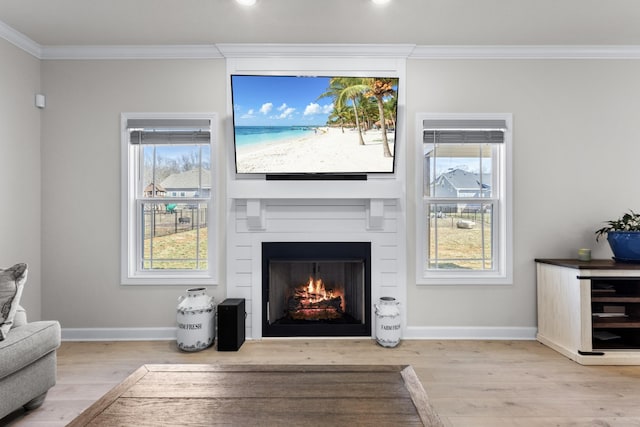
131,221
503,219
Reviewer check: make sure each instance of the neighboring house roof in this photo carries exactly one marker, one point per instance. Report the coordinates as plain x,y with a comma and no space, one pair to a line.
159,188
188,180
463,180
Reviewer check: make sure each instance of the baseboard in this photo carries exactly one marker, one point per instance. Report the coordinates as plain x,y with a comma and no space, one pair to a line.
118,334
412,332
470,333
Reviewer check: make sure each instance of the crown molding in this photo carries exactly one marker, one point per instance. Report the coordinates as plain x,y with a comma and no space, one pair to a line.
131,52
253,50
528,52
406,51
20,40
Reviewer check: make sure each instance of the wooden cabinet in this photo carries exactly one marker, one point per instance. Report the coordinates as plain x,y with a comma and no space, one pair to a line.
590,310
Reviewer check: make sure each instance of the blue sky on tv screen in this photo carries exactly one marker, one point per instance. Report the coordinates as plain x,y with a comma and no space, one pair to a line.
280,101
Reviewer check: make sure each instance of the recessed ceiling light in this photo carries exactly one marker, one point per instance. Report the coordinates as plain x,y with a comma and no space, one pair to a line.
381,1
246,2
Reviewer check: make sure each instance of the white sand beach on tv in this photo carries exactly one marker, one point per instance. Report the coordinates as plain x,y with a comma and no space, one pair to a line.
329,150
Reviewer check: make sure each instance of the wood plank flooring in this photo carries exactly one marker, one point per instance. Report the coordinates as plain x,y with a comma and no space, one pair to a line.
469,383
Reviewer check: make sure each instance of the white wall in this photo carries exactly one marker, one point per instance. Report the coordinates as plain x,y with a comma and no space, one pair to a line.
575,159
81,183
576,146
20,169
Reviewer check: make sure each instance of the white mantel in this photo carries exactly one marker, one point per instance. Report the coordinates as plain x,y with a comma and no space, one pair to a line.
373,188
373,192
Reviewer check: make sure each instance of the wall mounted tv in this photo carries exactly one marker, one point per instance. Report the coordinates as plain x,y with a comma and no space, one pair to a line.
314,127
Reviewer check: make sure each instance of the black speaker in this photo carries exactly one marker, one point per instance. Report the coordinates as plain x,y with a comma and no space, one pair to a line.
231,315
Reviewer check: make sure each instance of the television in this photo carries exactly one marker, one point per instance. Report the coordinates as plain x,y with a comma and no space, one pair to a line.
314,127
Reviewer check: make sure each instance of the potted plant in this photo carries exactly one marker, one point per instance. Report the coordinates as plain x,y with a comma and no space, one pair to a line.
623,235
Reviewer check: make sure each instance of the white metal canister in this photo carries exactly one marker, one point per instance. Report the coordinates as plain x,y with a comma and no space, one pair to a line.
388,323
195,314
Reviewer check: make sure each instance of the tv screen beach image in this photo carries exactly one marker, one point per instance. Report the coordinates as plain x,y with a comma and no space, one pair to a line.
324,125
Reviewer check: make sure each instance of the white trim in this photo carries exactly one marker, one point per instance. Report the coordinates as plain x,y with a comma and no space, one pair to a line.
119,334
504,275
470,333
131,52
527,52
280,50
247,188
241,50
411,333
20,40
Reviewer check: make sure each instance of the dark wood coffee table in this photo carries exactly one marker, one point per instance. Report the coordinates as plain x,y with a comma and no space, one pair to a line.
265,395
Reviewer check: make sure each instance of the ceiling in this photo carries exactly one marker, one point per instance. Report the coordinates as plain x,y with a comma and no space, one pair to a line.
420,22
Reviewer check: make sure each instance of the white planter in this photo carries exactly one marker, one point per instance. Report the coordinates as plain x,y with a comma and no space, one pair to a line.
195,314
388,322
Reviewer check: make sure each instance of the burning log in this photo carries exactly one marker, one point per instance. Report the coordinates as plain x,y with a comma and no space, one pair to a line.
314,302
297,303
315,314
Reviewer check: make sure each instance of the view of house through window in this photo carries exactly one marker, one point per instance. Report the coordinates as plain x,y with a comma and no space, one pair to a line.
175,231
459,201
170,186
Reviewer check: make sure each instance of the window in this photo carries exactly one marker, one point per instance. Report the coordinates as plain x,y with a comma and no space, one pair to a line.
465,214
167,238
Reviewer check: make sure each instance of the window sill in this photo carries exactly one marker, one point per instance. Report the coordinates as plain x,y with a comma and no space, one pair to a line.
168,280
451,280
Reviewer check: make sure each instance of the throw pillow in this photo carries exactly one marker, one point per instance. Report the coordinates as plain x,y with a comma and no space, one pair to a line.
12,281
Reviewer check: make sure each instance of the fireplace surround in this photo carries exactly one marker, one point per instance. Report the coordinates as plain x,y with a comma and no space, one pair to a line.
252,222
316,289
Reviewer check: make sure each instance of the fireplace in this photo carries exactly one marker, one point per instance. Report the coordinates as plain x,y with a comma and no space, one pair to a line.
316,289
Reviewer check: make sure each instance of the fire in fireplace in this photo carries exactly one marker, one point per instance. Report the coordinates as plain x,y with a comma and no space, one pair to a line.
314,301
316,288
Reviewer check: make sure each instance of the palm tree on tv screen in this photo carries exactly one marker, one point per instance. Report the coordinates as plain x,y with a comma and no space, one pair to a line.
340,115
380,89
351,89
342,90
390,108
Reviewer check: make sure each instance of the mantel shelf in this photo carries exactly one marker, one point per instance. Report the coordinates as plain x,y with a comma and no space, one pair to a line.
258,193
264,190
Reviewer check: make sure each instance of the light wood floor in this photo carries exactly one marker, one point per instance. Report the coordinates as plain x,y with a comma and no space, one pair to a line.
470,383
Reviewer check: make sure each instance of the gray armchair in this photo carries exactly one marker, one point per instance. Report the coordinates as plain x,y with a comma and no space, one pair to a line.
28,368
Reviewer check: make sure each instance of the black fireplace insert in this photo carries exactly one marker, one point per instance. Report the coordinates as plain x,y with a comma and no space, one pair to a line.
316,289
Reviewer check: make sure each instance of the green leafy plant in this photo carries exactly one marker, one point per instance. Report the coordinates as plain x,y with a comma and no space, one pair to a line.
630,221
